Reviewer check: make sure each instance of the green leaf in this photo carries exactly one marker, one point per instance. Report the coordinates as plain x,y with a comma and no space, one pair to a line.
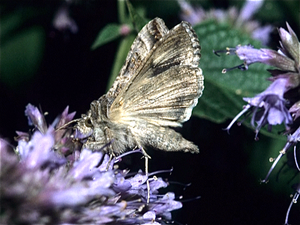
21,56
122,52
223,93
22,45
213,105
9,24
122,12
137,20
109,33
124,47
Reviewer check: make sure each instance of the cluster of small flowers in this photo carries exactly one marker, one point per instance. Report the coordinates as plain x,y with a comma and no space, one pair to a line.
50,180
280,102
240,19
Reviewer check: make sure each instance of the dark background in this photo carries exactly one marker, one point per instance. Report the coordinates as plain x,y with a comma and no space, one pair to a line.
71,74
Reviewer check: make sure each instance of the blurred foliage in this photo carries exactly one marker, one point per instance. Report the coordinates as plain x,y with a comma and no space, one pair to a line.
21,56
22,45
109,33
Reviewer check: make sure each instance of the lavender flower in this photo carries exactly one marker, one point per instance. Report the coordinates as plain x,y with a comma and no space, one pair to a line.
51,181
36,118
270,107
62,20
239,19
280,102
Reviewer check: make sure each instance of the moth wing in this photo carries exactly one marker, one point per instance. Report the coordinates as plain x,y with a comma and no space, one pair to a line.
151,33
167,87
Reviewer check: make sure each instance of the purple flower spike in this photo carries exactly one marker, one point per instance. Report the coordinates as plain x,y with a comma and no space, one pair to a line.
38,151
87,164
271,107
166,204
65,117
35,118
62,20
268,107
150,216
251,55
279,103
121,184
46,182
157,183
273,103
249,9
290,45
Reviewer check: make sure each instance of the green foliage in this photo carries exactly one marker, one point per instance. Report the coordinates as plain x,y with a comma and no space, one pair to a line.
21,49
109,33
138,20
223,94
124,48
21,56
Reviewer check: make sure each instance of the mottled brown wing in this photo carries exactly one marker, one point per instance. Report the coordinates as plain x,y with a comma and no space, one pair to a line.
151,33
167,86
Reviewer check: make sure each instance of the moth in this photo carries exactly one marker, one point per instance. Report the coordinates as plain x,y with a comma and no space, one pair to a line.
156,89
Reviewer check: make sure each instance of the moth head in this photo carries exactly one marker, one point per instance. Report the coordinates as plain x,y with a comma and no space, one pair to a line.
84,128
88,124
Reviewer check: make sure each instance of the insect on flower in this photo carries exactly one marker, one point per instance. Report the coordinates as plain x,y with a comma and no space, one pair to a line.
157,88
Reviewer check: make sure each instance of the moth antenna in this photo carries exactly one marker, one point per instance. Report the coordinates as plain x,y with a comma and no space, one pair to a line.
63,126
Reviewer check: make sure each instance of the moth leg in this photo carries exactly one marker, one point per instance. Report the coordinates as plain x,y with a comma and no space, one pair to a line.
148,184
109,139
111,156
145,153
93,145
147,157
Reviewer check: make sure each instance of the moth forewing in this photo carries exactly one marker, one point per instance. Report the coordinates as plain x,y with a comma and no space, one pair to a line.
141,46
157,87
